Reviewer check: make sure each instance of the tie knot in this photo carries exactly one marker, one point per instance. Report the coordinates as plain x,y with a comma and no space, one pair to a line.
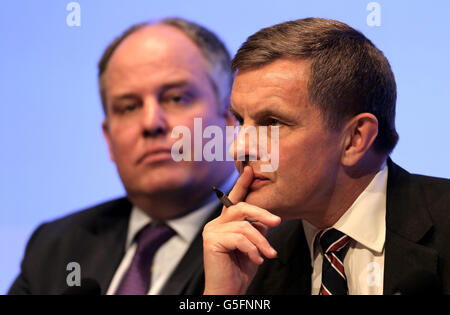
332,240
152,236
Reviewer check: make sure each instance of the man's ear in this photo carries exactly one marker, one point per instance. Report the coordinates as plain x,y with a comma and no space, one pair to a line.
360,133
105,129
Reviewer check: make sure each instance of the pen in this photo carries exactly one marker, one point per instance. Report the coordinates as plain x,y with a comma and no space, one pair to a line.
225,201
223,198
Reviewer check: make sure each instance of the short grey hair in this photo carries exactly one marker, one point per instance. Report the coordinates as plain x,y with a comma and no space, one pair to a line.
213,49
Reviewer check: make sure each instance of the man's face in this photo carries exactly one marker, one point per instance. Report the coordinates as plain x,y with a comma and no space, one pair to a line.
309,154
155,80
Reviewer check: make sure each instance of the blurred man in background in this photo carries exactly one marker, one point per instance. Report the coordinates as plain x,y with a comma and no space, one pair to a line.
155,76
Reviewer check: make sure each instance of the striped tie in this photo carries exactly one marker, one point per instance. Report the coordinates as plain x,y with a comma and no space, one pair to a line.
333,245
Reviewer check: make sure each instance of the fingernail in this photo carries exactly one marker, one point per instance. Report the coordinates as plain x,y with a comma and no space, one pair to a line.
273,251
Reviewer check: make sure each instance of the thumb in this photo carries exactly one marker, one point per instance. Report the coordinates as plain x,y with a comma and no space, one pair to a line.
240,189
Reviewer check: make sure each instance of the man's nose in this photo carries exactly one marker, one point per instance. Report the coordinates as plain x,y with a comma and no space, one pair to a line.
245,145
154,121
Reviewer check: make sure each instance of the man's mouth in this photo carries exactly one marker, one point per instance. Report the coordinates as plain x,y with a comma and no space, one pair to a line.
259,181
155,155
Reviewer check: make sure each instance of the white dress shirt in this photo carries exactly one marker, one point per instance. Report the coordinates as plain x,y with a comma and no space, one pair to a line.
365,223
171,252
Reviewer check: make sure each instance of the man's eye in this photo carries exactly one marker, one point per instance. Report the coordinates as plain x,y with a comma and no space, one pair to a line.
178,99
272,122
121,109
129,108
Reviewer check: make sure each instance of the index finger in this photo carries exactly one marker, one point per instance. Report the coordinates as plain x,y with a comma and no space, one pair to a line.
251,213
240,189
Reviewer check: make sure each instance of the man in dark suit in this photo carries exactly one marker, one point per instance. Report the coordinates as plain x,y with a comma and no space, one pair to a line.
416,247
153,78
356,223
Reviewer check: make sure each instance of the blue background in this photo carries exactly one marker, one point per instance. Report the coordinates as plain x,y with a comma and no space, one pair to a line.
53,157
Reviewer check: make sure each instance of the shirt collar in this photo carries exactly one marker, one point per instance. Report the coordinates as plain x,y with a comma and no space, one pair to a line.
365,220
186,226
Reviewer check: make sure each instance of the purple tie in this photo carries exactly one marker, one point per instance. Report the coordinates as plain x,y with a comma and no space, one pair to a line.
136,281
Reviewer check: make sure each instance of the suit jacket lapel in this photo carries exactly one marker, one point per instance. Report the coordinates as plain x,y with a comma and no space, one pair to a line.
188,277
407,224
105,239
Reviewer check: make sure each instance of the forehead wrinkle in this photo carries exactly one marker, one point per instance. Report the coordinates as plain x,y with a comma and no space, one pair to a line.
275,99
257,111
287,76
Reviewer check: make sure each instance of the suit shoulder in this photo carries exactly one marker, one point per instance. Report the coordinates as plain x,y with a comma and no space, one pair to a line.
86,217
434,182
435,189
436,192
70,238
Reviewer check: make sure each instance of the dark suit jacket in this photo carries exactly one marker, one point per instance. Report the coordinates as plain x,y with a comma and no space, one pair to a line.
95,238
417,238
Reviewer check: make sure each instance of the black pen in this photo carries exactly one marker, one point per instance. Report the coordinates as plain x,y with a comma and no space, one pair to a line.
223,198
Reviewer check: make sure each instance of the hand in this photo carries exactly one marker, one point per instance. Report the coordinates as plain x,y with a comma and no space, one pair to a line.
233,242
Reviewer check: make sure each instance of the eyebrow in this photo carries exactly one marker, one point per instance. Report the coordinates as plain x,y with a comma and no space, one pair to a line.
164,88
269,112
124,96
264,113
